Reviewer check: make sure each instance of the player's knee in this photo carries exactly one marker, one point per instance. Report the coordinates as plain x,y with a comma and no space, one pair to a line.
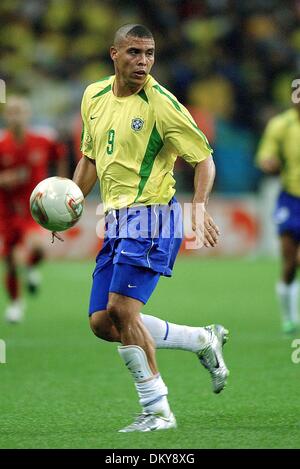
10,263
289,272
102,329
290,264
118,315
37,254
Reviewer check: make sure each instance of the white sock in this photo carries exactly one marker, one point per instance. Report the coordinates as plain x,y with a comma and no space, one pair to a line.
151,389
147,391
168,335
33,276
288,299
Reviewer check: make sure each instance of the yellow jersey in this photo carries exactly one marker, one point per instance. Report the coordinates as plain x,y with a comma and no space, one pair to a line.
281,140
135,141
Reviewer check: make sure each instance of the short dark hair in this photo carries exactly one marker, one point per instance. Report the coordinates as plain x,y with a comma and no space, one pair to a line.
132,30
139,30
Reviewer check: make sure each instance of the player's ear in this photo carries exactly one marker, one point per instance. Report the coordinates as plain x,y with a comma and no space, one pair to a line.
113,53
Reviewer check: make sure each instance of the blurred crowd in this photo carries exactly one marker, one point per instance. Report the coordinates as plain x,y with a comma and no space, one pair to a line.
231,62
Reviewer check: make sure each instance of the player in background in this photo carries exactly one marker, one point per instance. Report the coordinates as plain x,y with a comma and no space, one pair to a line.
279,153
133,128
24,160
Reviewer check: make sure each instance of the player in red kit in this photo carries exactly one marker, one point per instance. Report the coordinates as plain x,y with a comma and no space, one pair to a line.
24,160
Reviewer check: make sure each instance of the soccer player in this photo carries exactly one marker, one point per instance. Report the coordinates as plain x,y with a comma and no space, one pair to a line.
278,153
133,128
24,159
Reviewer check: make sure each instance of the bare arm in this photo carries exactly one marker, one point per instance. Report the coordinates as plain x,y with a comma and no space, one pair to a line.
62,168
202,222
270,165
203,180
85,175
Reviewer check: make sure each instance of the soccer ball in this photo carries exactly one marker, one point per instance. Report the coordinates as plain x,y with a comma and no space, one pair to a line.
56,203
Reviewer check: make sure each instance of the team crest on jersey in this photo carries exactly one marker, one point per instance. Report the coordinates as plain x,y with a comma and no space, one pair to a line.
137,124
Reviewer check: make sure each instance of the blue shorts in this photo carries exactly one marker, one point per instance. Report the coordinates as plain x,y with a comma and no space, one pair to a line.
125,279
287,215
140,244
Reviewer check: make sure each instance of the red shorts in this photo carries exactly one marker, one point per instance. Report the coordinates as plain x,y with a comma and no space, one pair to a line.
13,231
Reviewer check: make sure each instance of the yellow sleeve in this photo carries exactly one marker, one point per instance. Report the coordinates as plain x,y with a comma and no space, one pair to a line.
179,128
86,146
270,143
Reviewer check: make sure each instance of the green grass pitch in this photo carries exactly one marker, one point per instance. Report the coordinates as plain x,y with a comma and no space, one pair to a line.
63,388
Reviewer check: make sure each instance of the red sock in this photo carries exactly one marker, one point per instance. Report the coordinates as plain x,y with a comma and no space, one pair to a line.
12,285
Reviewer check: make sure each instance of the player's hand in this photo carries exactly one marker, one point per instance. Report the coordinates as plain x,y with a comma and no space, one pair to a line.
55,235
207,232
12,178
6,182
